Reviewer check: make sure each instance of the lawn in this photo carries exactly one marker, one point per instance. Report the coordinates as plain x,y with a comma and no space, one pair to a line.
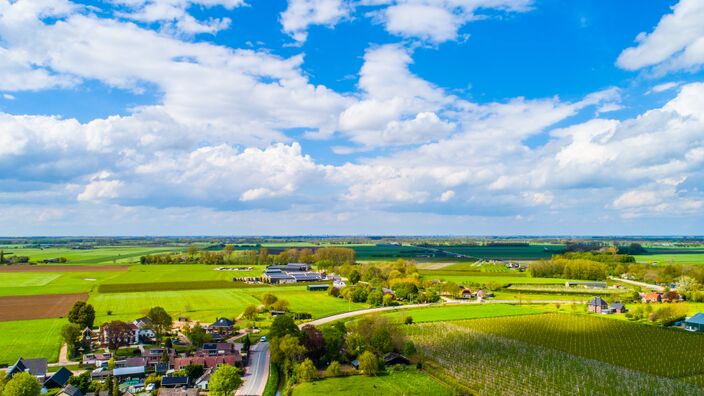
319,304
462,311
397,382
30,339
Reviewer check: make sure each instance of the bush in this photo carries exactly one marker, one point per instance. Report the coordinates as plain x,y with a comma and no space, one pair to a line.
333,369
408,320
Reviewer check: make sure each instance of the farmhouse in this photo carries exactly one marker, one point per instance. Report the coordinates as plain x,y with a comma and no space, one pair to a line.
290,273
144,328
652,297
222,326
217,349
598,305
618,308
695,323
276,276
466,293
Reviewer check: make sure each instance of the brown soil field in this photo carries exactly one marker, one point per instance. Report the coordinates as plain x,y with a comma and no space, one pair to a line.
62,268
38,307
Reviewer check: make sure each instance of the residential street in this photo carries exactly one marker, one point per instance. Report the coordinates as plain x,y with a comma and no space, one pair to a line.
257,371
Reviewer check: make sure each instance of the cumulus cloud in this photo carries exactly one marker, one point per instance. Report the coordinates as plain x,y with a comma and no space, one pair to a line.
300,14
677,42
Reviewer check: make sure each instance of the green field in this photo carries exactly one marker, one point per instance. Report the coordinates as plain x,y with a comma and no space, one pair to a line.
462,311
468,277
101,255
30,339
398,382
34,283
530,252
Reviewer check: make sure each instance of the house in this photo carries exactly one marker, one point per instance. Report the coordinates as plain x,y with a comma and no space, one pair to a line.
178,391
100,374
70,390
618,308
395,358
129,373
145,329
58,379
338,284
36,367
388,291
154,355
161,368
175,382
135,362
203,380
216,349
317,287
481,294
652,297
222,326
130,339
208,361
96,359
695,322
466,293
598,305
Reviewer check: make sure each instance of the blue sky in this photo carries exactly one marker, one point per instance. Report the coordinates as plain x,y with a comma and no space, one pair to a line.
149,117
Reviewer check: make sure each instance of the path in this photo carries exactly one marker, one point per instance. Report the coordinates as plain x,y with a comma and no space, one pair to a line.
257,371
641,284
63,354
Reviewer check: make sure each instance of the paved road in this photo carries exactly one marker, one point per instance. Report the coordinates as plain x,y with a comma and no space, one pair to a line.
350,314
257,371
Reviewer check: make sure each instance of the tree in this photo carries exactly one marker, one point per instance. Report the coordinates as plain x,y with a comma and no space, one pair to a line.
82,314
197,335
22,384
312,339
194,371
224,381
306,371
117,334
333,369
250,312
81,381
108,385
228,250
268,299
409,348
387,300
116,388
283,325
70,334
375,298
191,251
334,337
161,321
355,277
281,305
369,363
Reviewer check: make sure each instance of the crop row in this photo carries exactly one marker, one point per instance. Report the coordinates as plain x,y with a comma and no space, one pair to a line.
496,365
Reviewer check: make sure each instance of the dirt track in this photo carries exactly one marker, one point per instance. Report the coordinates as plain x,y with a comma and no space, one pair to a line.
38,307
62,268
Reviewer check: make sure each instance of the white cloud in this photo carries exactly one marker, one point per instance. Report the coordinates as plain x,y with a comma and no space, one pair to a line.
677,42
663,87
8,96
300,14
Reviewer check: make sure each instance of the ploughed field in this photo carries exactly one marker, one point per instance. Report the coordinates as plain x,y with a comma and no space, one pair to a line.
37,307
564,354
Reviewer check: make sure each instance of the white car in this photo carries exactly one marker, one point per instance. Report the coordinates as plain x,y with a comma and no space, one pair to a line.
263,339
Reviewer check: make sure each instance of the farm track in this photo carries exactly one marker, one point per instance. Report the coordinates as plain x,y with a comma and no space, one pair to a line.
64,268
38,307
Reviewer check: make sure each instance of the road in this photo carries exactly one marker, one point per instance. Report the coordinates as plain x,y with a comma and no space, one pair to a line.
257,371
641,284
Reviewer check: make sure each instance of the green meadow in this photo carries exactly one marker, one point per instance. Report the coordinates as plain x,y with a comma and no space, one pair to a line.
396,382
30,339
102,255
462,311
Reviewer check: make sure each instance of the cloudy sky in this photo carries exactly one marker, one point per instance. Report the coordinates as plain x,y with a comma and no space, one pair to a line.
240,117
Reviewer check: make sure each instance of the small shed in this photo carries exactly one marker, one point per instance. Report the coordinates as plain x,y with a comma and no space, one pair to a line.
695,323
618,308
317,287
395,358
598,305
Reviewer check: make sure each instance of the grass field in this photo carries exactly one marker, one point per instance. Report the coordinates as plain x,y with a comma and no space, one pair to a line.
649,349
397,382
673,258
494,365
466,277
30,339
101,255
530,252
462,311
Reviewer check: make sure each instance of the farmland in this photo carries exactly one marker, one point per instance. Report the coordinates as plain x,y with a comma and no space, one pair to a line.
30,338
396,382
529,252
494,365
37,307
101,255
649,349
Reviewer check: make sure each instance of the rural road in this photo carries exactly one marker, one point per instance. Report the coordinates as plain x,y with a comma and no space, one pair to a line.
257,372
641,284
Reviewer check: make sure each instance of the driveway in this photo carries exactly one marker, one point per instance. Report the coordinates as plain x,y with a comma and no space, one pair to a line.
257,371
